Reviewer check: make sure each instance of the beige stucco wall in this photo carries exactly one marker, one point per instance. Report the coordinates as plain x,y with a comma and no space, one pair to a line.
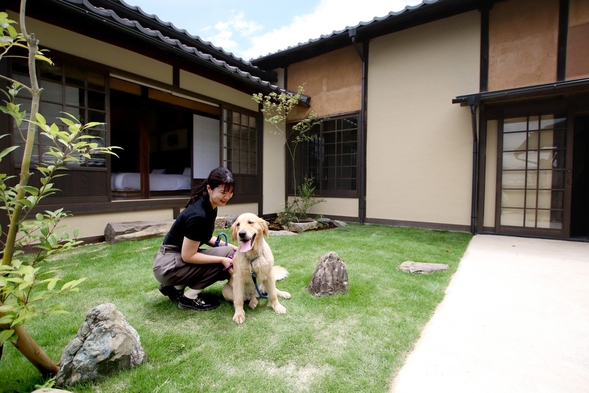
347,207
274,163
99,221
490,174
236,209
212,89
419,163
274,171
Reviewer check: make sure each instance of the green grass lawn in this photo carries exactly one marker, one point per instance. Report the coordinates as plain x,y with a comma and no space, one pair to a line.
354,342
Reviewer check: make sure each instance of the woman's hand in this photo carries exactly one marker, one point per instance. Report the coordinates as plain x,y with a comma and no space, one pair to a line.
228,264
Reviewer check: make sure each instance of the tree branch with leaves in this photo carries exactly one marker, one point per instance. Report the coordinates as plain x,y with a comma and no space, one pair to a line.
24,283
277,107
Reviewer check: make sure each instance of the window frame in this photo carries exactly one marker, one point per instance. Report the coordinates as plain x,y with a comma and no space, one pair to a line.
248,186
86,112
328,163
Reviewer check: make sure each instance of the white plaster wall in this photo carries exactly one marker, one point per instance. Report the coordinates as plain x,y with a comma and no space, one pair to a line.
419,163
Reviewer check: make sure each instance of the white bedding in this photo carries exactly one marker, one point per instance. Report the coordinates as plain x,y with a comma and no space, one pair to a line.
157,182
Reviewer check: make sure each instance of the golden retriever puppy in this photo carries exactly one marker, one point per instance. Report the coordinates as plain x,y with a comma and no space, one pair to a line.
253,253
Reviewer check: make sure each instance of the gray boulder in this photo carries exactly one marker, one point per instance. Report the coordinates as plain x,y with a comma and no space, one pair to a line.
105,344
330,277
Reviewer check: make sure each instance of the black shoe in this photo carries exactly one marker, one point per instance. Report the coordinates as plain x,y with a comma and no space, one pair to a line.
201,303
172,293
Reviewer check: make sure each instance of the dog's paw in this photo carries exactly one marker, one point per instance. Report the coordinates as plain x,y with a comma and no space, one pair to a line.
253,302
279,309
284,295
239,317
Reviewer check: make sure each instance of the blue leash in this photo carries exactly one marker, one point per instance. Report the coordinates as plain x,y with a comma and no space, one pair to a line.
218,243
256,284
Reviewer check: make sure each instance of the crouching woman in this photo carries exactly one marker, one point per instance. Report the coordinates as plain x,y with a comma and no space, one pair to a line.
182,266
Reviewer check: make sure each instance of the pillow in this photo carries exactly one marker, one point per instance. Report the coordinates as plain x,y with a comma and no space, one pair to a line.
158,171
186,172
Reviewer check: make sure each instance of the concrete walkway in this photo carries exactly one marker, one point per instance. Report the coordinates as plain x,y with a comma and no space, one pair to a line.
515,318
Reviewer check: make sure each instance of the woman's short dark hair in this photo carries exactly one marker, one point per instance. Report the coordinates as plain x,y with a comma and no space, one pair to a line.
218,176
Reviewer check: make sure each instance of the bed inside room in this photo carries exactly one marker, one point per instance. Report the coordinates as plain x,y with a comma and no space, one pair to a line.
129,183
168,145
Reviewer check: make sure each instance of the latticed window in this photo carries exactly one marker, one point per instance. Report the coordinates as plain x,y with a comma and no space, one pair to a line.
240,142
330,158
66,88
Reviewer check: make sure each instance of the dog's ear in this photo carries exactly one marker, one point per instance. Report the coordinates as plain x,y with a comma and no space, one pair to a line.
264,225
234,230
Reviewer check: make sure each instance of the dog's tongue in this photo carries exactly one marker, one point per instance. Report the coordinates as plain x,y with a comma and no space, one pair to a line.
245,246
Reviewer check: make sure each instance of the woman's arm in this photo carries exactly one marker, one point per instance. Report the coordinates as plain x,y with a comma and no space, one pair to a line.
190,254
213,240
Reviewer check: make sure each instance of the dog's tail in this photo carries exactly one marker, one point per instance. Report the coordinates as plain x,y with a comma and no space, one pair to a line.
279,272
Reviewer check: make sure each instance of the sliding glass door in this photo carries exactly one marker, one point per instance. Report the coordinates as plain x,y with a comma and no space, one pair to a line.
533,174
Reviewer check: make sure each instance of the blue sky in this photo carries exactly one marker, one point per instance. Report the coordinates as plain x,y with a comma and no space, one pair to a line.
254,28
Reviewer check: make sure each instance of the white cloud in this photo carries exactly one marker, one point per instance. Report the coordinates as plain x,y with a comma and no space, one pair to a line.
222,33
328,16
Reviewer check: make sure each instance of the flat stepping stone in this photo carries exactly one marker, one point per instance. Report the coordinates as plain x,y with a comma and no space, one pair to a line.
422,267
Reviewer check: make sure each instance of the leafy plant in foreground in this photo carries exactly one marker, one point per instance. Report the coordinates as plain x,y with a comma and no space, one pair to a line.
24,285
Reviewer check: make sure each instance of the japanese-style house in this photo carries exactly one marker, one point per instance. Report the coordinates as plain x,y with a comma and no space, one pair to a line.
450,114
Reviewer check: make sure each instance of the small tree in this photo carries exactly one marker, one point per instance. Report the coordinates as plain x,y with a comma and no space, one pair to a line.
277,108
23,284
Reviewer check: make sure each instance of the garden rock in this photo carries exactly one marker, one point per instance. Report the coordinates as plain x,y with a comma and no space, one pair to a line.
325,221
50,390
116,232
220,223
330,277
281,233
104,345
422,267
224,222
230,219
302,226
